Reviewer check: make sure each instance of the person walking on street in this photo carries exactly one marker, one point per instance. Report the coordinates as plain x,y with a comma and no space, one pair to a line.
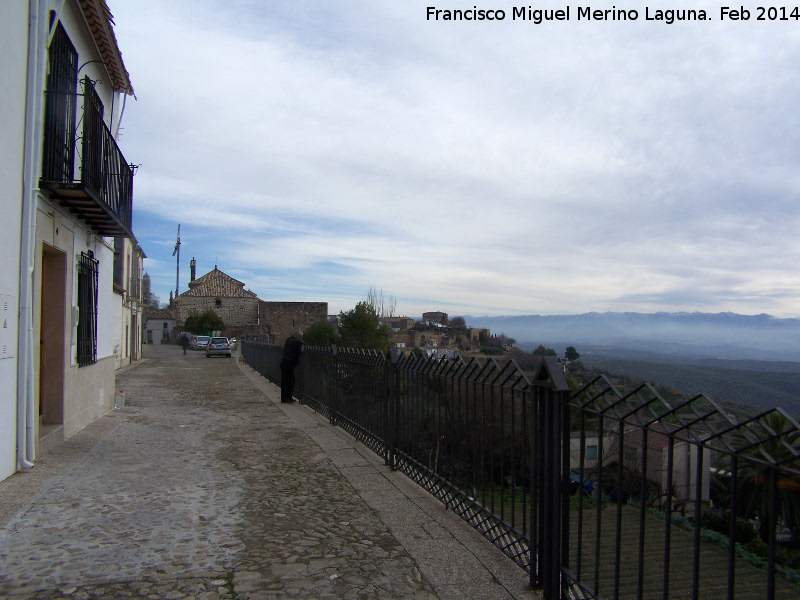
290,358
184,342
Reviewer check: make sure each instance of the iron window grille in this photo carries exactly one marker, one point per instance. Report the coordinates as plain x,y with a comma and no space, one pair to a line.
87,309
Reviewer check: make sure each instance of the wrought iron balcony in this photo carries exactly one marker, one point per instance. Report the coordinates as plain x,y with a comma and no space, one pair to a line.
102,192
135,289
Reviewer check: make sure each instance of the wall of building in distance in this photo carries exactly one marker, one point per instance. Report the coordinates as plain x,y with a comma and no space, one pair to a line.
236,313
280,319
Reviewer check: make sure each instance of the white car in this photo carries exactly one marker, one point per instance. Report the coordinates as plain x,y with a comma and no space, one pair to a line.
218,346
200,342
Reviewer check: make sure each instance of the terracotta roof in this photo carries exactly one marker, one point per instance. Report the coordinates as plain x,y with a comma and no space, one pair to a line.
658,440
162,314
101,24
216,283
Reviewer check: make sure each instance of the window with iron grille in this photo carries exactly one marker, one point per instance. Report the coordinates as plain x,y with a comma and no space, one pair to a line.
59,115
87,309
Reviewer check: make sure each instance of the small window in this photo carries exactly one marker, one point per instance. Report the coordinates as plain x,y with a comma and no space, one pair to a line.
165,325
591,452
87,309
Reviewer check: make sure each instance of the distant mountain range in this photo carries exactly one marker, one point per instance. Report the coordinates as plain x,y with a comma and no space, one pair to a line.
685,335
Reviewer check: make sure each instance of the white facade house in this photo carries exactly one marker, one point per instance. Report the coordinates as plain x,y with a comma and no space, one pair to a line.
684,459
129,301
159,323
13,41
67,194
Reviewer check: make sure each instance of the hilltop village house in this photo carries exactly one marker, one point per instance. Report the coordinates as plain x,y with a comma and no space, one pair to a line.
433,336
242,312
70,308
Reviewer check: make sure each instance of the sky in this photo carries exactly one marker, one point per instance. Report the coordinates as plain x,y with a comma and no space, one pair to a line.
317,149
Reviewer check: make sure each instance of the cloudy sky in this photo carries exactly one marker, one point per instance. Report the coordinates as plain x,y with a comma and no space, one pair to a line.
316,148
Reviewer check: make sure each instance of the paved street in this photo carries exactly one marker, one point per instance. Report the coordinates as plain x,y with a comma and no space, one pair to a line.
205,487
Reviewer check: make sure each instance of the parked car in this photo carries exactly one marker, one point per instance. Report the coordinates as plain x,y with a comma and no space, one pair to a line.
218,346
201,342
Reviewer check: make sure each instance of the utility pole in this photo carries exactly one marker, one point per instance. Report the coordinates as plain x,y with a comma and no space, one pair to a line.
178,268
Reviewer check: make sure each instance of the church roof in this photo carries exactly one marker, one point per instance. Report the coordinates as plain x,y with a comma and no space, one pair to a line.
216,283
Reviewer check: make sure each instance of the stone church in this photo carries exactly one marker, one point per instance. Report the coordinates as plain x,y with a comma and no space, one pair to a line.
241,310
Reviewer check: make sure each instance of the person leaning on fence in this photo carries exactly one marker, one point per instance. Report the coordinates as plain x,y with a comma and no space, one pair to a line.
292,349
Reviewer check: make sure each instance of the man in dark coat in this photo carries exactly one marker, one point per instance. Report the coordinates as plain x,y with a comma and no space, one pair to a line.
290,358
184,342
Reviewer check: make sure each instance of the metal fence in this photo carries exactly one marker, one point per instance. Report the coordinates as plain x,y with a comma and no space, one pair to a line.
596,492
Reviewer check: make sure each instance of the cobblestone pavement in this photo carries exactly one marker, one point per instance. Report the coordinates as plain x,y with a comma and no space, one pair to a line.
205,487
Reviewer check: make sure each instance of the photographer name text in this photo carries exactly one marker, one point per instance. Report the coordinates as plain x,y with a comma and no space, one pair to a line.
667,16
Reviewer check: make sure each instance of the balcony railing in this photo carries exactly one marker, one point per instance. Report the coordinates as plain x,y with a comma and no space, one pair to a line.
597,492
103,191
135,289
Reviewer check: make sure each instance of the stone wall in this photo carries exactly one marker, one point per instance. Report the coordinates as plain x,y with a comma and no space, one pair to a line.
280,319
475,334
236,313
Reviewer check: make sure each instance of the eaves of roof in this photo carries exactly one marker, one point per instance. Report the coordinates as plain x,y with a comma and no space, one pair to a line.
158,314
101,23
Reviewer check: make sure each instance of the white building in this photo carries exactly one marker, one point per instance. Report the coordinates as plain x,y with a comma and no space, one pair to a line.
159,323
129,301
684,459
13,41
66,194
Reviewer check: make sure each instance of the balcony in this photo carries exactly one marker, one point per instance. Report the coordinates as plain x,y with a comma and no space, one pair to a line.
102,190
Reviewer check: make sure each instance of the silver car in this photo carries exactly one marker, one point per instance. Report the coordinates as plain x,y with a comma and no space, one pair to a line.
218,346
201,341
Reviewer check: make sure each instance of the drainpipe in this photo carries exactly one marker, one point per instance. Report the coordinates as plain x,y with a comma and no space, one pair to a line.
121,112
37,34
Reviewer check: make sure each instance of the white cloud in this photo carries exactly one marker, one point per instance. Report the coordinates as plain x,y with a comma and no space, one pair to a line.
318,148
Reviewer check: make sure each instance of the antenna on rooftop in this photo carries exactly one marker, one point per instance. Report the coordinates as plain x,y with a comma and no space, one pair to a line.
178,269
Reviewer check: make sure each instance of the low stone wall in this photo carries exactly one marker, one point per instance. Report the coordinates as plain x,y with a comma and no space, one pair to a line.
279,319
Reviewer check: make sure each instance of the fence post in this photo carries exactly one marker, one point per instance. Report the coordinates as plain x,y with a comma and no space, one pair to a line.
551,502
390,420
551,411
534,534
336,386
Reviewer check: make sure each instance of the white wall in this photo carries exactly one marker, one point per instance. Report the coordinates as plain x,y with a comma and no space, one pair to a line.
119,340
156,326
89,390
13,49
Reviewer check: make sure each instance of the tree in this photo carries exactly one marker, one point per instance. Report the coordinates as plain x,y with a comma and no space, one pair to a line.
499,341
542,351
572,354
503,340
204,323
759,482
382,307
154,301
458,323
459,342
361,328
320,333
